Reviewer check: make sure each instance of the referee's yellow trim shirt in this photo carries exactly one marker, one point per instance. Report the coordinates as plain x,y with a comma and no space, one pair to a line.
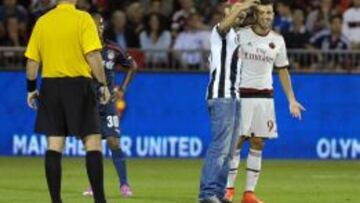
60,40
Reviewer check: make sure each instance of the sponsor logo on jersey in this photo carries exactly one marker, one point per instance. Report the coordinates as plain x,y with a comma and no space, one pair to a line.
272,45
257,57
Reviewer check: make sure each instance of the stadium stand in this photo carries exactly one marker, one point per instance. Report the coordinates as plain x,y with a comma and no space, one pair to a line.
154,31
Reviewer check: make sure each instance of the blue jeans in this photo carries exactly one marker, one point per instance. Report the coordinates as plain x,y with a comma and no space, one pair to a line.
225,129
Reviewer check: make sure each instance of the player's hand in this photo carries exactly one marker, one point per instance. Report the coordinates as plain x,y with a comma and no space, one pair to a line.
296,108
105,95
31,99
242,17
119,93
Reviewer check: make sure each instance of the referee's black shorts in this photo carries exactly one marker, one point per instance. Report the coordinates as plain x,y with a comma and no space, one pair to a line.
67,106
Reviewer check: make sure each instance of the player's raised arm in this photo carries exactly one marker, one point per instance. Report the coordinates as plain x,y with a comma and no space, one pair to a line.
234,12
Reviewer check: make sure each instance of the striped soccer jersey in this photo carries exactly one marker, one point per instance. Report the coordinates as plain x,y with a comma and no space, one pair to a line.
224,65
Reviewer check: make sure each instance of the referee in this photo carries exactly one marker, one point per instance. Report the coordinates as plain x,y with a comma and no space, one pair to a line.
65,42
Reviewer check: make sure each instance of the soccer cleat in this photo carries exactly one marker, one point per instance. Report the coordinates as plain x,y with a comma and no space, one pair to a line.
225,201
229,195
88,192
249,197
125,190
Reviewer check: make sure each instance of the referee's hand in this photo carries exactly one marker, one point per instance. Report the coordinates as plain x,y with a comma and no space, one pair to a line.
105,95
31,99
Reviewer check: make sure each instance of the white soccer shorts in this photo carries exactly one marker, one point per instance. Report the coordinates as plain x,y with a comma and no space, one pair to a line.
258,118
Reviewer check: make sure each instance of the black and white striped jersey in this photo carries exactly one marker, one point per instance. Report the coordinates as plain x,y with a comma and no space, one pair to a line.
224,65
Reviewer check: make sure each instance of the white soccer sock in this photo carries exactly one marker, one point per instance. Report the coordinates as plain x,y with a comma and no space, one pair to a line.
234,166
253,169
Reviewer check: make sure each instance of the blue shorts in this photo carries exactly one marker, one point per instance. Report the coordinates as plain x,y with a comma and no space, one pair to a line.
109,120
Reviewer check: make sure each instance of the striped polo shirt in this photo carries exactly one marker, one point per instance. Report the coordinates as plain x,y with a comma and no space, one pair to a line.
224,65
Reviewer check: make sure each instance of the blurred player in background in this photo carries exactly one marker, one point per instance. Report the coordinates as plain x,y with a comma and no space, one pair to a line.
261,50
223,103
113,56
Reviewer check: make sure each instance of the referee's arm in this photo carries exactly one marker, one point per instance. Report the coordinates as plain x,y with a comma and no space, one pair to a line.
91,47
94,60
32,66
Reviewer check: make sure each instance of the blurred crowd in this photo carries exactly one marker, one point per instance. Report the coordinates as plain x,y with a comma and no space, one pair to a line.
150,28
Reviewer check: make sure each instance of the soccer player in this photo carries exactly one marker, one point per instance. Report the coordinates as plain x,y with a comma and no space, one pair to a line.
223,103
113,56
70,57
261,50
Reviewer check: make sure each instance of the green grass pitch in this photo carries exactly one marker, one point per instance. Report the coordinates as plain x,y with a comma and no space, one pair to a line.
176,181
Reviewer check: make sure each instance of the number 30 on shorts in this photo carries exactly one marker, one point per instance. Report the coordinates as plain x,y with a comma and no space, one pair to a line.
112,121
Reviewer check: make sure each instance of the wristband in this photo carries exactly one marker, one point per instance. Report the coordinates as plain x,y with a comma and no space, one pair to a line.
31,85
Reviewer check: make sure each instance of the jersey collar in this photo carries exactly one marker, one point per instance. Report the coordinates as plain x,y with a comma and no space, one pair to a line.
258,34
